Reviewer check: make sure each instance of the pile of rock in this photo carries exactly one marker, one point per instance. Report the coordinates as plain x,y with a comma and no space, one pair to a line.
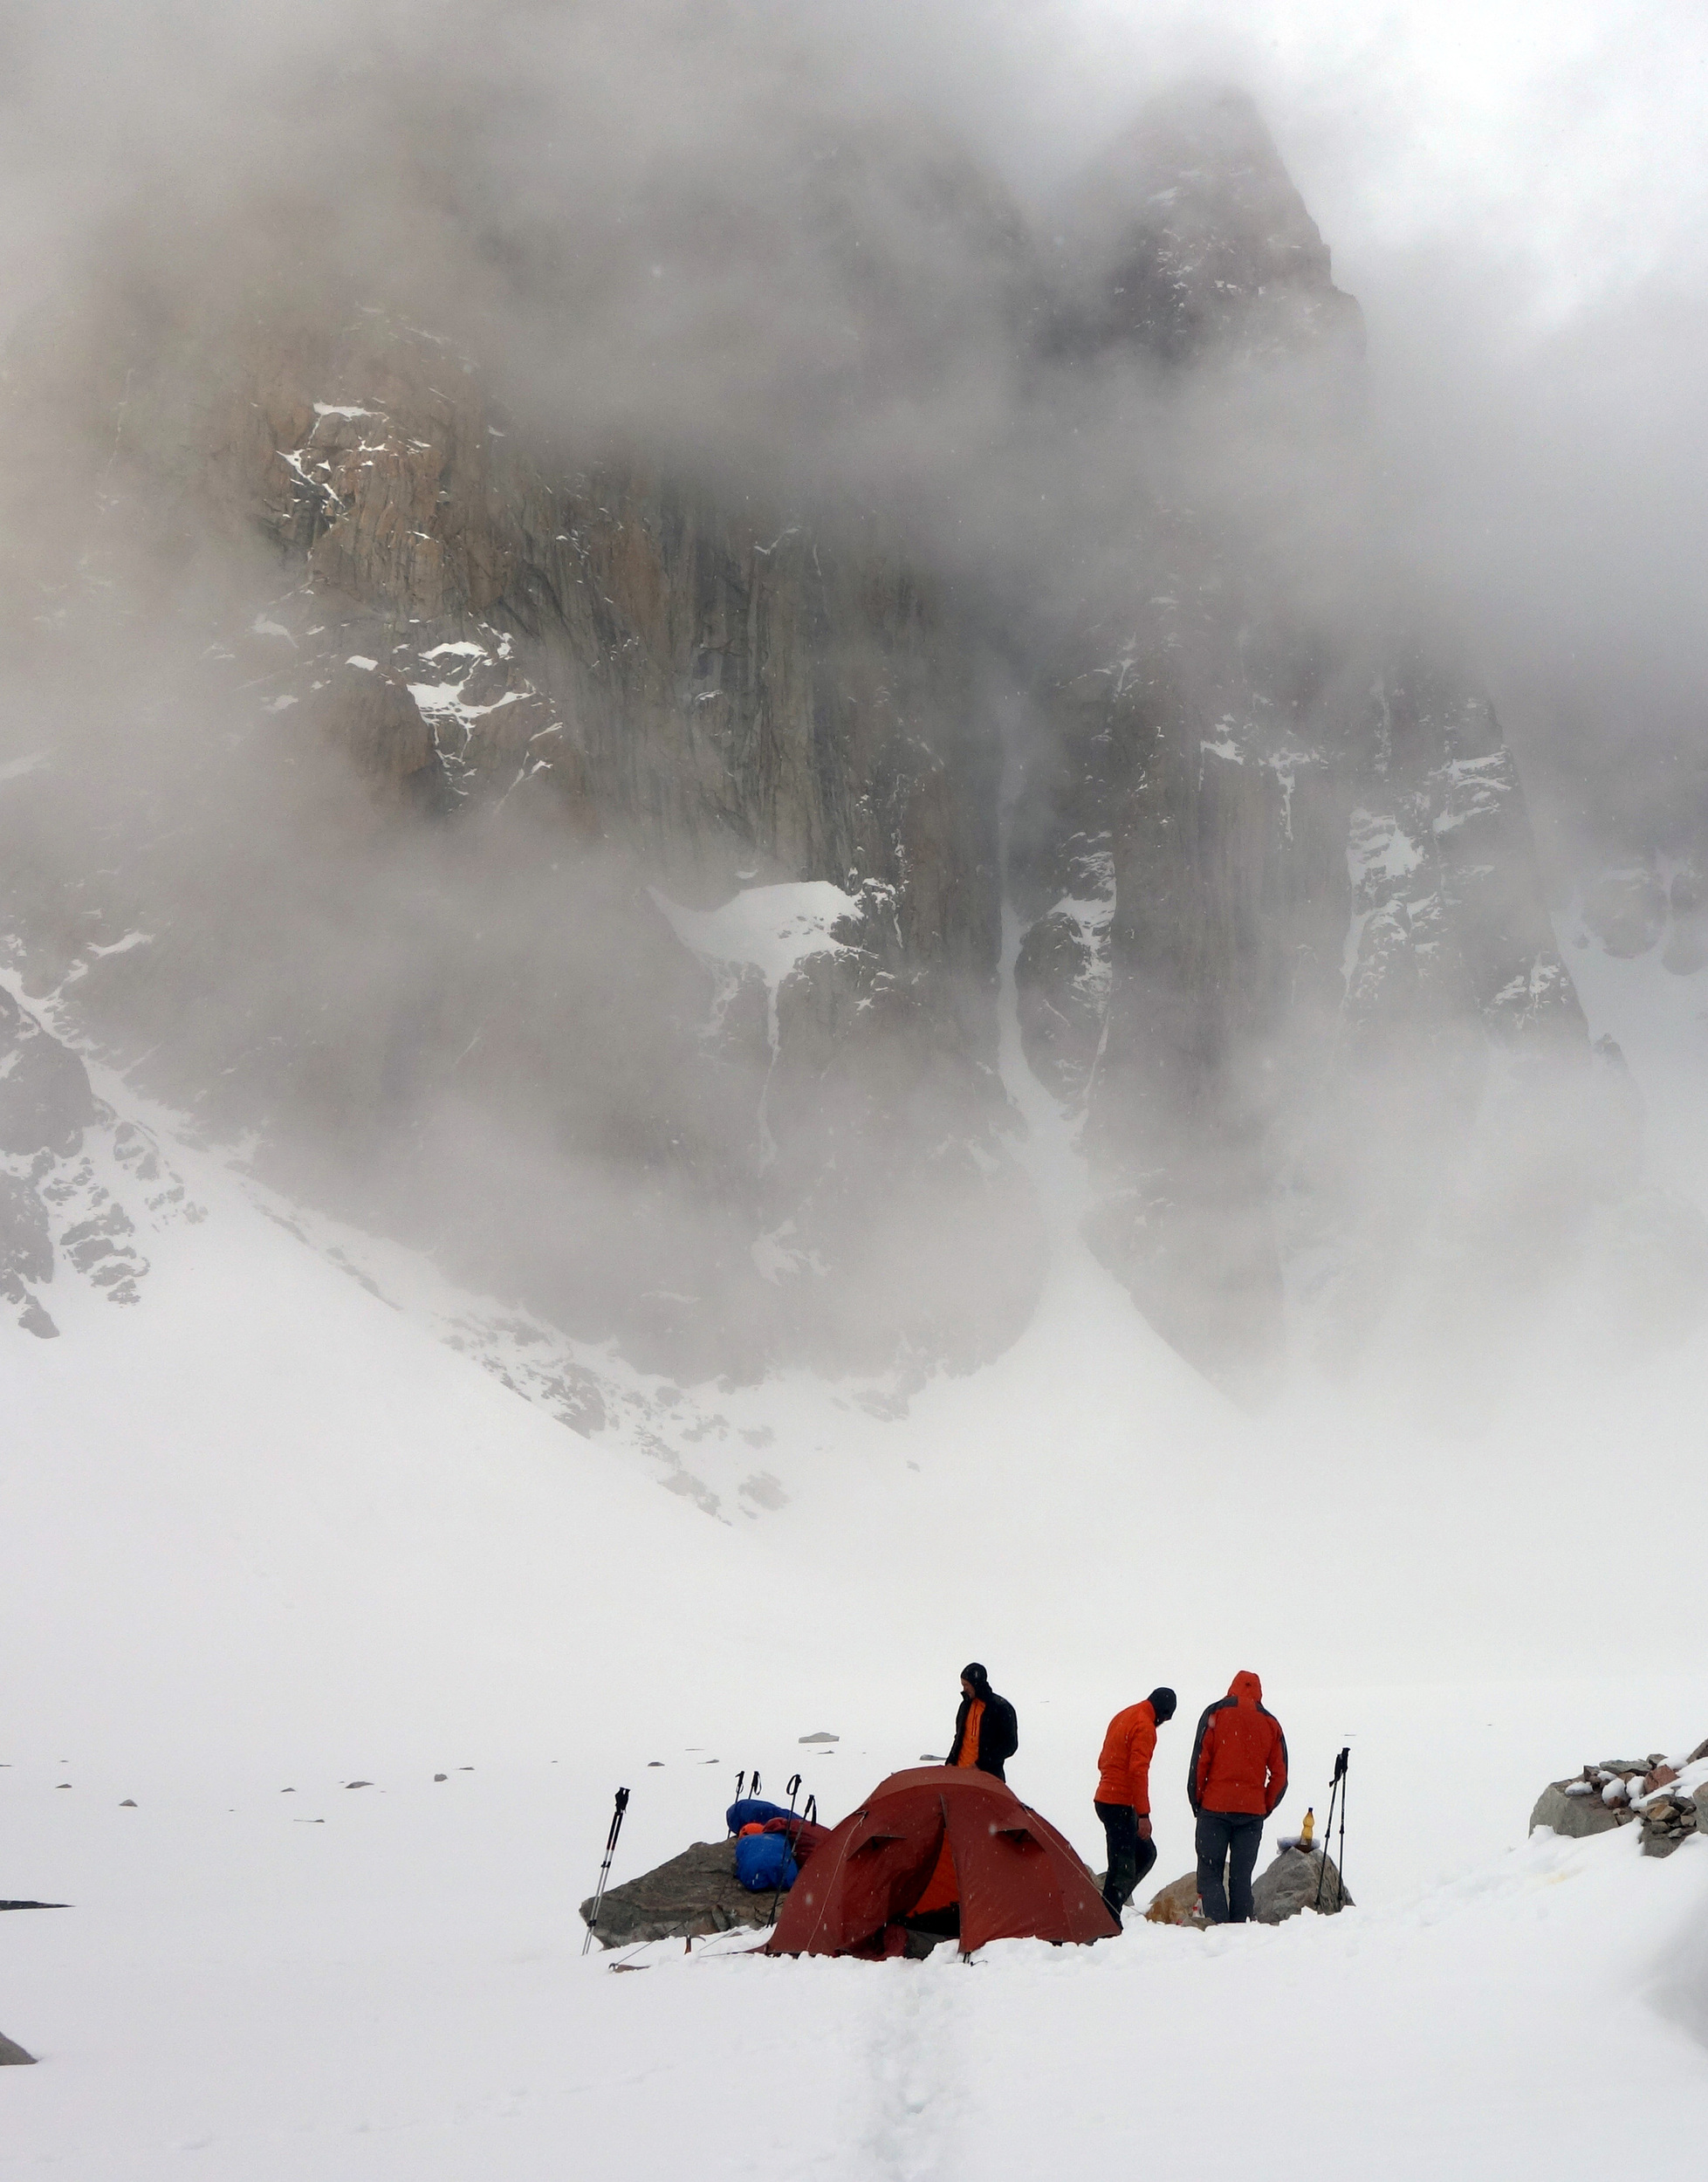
1625,1792
1670,1817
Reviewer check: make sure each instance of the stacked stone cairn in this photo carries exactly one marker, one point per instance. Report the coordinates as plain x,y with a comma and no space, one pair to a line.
1645,1792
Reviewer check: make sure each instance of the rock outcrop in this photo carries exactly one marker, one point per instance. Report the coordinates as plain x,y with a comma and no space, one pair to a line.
45,1102
444,722
1190,240
1288,917
1646,1792
78,1185
689,1896
1668,1820
537,663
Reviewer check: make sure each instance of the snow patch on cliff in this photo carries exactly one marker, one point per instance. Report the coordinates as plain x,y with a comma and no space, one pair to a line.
772,929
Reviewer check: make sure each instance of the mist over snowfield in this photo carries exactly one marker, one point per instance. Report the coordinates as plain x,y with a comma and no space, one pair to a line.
828,841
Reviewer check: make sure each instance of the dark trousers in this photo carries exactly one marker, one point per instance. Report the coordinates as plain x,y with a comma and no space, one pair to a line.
1129,1857
1230,1838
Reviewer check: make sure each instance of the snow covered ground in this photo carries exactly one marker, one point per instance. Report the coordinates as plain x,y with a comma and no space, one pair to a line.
266,1536
397,1993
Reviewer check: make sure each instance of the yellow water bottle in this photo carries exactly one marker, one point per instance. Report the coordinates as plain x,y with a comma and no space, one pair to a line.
1307,1831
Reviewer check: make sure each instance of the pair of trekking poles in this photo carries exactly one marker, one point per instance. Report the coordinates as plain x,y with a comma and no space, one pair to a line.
807,1817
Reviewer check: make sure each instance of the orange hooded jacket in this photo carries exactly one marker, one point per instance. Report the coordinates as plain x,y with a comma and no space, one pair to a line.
1123,1765
1239,1759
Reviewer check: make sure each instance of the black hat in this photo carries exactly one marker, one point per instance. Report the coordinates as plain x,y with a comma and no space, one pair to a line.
977,1676
1162,1704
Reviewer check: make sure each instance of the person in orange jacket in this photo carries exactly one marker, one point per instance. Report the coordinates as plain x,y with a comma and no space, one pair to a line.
1123,1795
1239,1774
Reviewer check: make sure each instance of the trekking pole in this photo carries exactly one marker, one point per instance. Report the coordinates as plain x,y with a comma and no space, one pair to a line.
1335,1778
1327,1840
788,1849
1339,1870
741,1783
1336,1788
605,1868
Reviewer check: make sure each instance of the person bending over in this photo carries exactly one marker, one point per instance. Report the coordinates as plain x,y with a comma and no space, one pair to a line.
1123,1795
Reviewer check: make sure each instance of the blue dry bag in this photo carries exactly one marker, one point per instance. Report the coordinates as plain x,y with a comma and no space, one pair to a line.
753,1810
763,1860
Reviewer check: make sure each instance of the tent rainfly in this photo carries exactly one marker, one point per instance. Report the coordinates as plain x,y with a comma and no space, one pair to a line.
939,1849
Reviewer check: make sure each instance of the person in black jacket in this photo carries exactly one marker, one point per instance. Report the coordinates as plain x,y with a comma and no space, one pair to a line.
986,1733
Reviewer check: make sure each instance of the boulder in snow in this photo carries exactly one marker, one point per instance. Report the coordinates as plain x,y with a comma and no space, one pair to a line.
1177,1903
13,2055
1575,1815
1297,1880
693,1894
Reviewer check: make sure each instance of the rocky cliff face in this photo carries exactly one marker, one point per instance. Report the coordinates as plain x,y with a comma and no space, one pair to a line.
592,697
1296,907
594,870
80,1188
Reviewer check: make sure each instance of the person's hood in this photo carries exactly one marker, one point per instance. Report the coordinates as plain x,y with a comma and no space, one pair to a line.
1244,1685
975,1673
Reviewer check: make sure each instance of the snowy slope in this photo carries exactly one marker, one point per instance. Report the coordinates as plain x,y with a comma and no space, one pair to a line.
267,1531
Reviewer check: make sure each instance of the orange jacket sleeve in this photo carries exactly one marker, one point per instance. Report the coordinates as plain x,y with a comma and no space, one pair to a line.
1140,1750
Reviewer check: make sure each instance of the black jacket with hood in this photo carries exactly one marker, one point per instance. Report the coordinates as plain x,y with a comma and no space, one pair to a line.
998,1730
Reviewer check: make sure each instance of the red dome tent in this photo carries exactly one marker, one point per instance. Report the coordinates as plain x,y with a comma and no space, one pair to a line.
931,1839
